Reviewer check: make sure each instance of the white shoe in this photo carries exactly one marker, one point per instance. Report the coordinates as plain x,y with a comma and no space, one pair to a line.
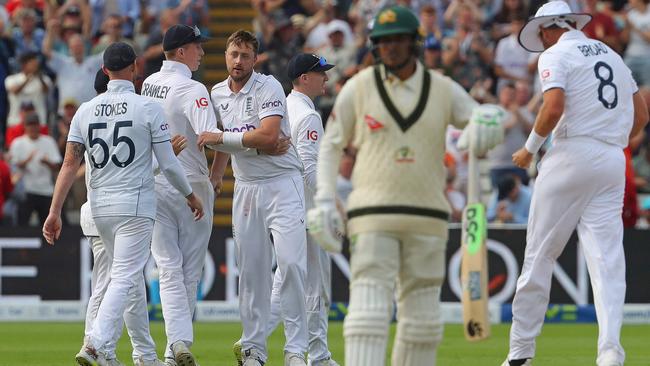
182,354
169,362
252,357
156,362
88,356
528,362
294,359
236,349
325,362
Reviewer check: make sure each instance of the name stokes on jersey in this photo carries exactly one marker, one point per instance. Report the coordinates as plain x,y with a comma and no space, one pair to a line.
109,110
155,91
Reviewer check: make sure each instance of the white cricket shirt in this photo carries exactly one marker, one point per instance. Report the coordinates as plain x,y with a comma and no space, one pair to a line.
188,112
261,97
306,132
598,89
118,129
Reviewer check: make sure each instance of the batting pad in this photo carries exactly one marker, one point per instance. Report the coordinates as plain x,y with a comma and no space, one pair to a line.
366,326
419,328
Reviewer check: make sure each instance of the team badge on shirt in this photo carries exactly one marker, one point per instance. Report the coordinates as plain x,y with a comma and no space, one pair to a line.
546,73
373,123
404,155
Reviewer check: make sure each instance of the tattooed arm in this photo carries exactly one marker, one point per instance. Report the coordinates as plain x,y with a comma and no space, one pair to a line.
74,153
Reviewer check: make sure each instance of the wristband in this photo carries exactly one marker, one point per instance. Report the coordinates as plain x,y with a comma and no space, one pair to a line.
233,139
534,142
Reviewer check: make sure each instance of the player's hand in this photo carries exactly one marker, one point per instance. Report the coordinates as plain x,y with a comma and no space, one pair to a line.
179,143
52,228
217,185
281,147
195,204
210,138
522,158
484,131
325,224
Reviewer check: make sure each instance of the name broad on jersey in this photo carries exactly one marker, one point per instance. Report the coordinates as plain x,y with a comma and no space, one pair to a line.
594,49
155,91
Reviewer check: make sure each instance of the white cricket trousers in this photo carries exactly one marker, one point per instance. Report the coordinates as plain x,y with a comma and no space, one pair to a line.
136,315
126,240
262,210
580,184
179,247
317,298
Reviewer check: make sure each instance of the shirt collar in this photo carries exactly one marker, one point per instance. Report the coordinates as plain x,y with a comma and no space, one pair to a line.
248,86
304,97
117,86
414,82
177,67
572,34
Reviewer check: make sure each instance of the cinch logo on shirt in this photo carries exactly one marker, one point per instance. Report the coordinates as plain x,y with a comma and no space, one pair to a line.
246,127
275,103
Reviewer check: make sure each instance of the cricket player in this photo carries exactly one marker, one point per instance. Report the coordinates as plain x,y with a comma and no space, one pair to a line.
119,129
136,316
592,105
395,114
308,75
179,243
268,201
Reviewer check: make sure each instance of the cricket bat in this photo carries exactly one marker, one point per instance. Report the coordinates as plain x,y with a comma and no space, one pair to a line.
474,264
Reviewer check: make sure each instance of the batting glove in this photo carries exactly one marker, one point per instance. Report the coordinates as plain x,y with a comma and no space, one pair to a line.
484,131
325,225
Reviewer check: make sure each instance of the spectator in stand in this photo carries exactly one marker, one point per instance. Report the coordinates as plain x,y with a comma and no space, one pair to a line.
128,9
637,34
38,159
517,126
6,54
63,124
602,26
432,36
511,203
6,185
27,37
14,6
192,12
74,71
282,43
467,55
31,86
153,50
502,23
26,108
338,53
111,33
510,59
641,164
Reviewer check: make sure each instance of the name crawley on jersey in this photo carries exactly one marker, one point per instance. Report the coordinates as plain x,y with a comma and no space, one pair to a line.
155,91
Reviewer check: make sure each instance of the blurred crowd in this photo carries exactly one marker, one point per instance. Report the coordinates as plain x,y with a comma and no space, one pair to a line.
50,51
475,43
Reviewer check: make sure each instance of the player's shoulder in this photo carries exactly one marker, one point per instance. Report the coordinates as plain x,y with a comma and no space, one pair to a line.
266,83
221,88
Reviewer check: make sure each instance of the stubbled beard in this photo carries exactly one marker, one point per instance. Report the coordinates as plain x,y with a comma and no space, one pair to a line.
241,78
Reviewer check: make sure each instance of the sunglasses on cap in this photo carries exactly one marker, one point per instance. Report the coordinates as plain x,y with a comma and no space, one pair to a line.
321,62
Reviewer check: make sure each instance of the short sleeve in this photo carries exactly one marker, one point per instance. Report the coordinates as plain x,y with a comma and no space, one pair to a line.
75,134
462,105
159,127
199,110
272,101
552,71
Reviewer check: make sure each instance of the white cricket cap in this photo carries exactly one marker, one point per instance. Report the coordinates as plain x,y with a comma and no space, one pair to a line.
337,25
553,12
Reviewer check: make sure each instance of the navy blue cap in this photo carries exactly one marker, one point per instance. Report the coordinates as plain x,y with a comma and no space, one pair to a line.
180,34
118,56
101,82
305,62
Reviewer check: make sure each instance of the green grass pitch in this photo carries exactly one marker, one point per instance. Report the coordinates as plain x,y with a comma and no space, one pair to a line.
50,344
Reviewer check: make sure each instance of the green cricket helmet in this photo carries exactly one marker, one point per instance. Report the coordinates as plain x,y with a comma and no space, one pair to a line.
395,20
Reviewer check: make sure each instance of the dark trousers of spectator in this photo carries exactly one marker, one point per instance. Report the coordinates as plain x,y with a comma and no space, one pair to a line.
34,202
498,173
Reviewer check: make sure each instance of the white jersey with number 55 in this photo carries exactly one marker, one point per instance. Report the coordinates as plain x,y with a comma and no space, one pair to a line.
118,129
598,89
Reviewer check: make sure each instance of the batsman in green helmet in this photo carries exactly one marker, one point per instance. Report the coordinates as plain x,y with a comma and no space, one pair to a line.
395,116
